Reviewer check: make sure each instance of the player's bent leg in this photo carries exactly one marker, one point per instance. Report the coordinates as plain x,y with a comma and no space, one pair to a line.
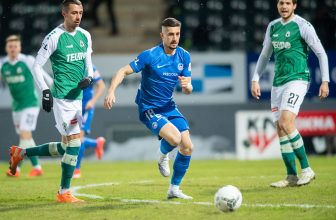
77,171
98,144
100,147
17,153
27,143
181,165
171,134
163,158
48,149
171,137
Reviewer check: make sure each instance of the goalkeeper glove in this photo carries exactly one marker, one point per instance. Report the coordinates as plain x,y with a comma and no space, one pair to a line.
85,82
47,100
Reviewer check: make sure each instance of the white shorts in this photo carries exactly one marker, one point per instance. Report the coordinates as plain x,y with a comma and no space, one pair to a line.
25,120
68,116
288,97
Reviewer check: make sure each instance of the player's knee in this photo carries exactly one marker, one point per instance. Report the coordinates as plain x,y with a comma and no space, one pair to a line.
284,124
187,150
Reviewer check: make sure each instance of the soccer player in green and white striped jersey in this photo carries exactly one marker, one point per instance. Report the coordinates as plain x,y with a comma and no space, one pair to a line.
289,38
16,71
69,49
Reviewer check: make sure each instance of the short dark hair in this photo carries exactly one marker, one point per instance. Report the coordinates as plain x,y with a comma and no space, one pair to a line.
170,22
66,3
294,2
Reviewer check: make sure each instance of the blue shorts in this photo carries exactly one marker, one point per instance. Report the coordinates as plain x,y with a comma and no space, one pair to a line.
87,119
155,120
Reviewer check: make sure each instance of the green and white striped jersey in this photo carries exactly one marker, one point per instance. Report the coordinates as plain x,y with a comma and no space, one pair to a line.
290,44
18,76
68,53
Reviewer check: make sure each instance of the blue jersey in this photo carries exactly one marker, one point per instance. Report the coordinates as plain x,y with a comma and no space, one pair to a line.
159,76
87,96
88,92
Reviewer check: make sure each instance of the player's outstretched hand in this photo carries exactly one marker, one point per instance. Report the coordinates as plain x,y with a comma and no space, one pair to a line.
109,100
47,100
324,90
85,82
255,90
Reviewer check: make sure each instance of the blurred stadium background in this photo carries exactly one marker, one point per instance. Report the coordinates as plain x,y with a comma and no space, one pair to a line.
224,38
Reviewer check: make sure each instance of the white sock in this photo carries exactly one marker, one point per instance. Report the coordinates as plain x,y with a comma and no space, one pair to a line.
174,187
308,169
26,144
38,167
62,191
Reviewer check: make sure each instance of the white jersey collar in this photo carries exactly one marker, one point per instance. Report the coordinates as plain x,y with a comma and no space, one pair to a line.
13,62
284,23
61,26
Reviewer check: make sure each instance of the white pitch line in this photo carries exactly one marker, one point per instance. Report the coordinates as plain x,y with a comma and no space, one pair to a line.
74,191
91,196
304,206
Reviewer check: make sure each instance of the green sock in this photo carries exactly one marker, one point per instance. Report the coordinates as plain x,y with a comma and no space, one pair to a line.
26,144
48,149
69,162
299,149
67,172
20,164
34,161
288,155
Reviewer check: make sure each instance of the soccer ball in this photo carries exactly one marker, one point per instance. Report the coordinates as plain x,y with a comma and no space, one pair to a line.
228,198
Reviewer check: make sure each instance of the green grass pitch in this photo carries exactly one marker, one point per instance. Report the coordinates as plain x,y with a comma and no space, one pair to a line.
135,190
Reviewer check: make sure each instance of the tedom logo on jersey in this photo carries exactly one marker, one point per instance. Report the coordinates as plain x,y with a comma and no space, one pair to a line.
75,56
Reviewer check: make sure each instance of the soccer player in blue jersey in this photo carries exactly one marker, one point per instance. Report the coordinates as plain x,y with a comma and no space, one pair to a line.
162,68
90,96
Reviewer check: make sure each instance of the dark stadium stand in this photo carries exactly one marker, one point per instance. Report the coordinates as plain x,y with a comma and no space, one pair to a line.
241,24
216,25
